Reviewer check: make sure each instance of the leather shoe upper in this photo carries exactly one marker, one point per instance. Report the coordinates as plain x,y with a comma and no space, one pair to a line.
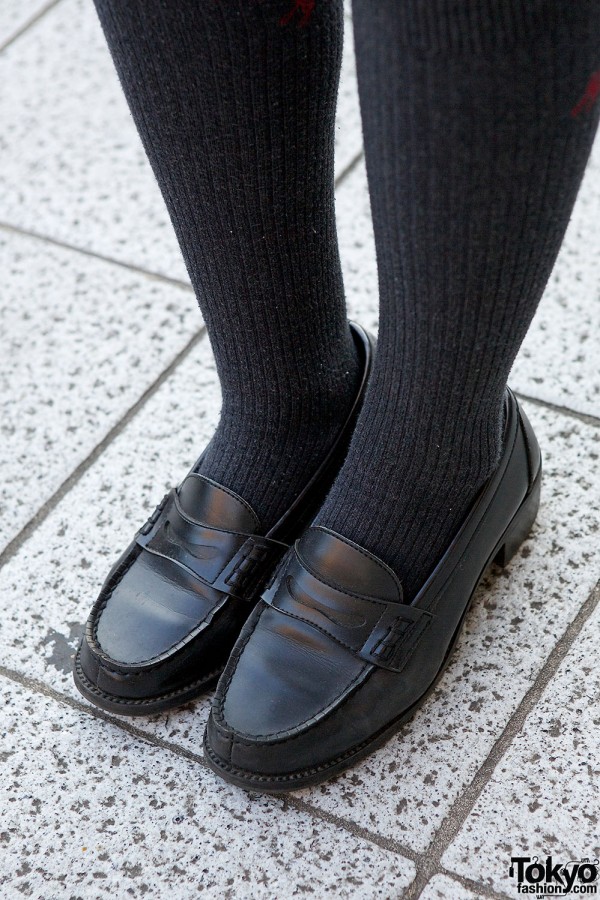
174,603
332,656
171,584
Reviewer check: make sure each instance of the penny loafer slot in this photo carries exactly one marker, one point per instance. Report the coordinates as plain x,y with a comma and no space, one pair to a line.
394,636
376,630
244,574
229,562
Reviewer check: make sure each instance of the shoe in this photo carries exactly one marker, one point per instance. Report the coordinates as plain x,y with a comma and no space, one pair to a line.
331,662
174,603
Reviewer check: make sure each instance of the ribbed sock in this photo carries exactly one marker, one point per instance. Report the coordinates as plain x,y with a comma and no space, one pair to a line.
235,103
478,120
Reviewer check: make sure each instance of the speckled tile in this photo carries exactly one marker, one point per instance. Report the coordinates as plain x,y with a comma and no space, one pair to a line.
443,888
82,340
101,814
405,790
15,14
558,362
544,796
75,170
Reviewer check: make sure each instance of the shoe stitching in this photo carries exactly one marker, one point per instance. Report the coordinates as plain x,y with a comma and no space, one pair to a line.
227,491
388,729
416,636
107,592
337,587
411,631
156,662
141,701
385,568
250,740
314,770
231,667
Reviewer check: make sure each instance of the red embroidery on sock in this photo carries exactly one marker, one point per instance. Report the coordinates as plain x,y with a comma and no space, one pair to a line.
590,95
304,7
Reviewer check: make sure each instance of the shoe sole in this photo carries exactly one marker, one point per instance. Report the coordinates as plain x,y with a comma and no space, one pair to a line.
127,706
514,535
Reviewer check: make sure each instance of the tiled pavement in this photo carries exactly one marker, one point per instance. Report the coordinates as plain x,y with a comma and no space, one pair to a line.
103,355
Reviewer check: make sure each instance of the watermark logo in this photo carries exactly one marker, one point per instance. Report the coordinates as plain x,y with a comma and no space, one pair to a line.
545,878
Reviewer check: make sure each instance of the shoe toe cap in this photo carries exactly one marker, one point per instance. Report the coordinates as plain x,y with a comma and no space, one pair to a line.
148,611
149,632
277,695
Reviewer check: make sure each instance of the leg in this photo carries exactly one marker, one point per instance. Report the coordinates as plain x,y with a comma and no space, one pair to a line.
475,146
476,140
235,102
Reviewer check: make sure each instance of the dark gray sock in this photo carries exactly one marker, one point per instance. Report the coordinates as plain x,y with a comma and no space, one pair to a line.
235,102
478,118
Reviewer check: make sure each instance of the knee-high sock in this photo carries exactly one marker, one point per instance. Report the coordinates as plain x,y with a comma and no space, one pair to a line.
478,118
235,101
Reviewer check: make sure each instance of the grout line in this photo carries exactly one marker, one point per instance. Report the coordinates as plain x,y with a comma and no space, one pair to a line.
349,168
36,520
480,889
288,801
44,511
32,21
586,418
351,827
430,860
124,724
63,245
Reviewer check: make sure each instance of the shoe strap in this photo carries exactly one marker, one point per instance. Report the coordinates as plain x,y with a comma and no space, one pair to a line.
378,631
231,562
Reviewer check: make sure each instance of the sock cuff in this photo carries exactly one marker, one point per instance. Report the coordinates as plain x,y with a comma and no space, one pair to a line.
479,26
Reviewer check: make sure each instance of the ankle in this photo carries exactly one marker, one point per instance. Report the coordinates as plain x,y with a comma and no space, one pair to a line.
269,442
403,493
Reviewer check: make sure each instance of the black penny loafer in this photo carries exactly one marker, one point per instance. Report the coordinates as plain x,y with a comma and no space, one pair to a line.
332,662
174,603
